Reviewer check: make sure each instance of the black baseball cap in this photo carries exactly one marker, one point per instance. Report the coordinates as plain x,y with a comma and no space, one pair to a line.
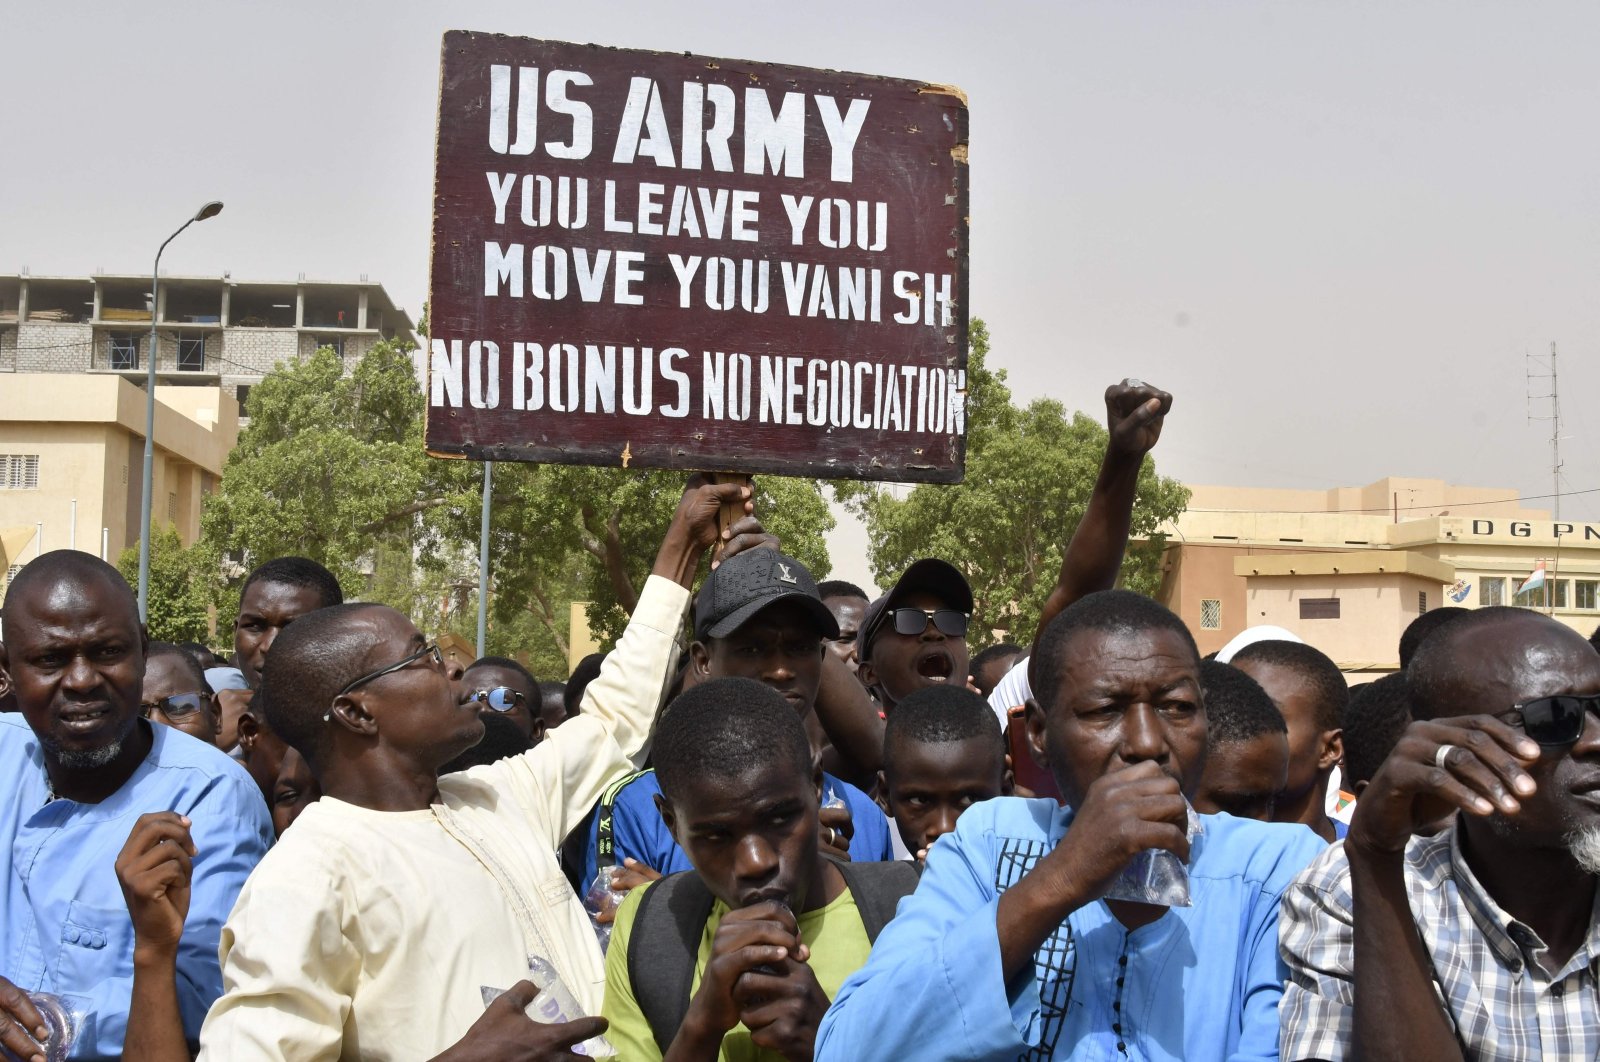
939,578
748,582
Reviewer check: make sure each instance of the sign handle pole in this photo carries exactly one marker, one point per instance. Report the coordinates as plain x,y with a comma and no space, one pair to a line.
483,558
732,512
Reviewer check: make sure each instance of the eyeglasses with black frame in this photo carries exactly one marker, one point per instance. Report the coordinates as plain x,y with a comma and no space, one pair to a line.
1555,722
498,699
431,649
178,706
914,621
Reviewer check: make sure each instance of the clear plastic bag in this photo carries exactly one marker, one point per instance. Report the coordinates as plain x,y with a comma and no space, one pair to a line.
554,1005
64,1019
1156,876
600,898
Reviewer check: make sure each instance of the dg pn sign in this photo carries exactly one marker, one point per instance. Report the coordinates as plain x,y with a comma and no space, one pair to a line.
654,260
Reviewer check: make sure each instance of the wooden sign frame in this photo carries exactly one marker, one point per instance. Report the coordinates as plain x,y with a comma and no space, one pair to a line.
643,259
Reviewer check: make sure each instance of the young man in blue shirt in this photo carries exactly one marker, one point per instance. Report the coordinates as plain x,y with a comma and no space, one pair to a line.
80,766
1008,949
758,616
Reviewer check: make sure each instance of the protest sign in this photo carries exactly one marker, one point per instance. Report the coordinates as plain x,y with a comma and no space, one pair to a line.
656,260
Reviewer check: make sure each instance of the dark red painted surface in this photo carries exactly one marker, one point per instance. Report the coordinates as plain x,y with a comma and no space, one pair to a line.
909,154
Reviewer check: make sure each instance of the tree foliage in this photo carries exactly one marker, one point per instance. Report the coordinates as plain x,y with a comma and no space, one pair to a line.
1029,474
331,467
180,587
561,532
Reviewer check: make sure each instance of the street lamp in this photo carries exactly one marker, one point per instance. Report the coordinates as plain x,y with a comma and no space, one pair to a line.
210,210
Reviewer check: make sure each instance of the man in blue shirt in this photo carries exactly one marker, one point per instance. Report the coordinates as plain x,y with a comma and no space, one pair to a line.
81,766
1009,949
758,616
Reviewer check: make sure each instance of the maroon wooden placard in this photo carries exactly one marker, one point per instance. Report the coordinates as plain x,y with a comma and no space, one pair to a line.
653,260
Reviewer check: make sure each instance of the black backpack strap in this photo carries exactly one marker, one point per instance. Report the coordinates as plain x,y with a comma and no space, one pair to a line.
662,949
574,849
672,915
878,889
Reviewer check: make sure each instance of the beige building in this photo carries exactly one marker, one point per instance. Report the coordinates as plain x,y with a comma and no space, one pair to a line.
72,460
1348,568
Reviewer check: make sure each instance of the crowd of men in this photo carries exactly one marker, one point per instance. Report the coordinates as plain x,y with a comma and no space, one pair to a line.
781,820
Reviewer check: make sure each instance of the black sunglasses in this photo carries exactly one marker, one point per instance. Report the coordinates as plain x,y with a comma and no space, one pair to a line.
499,699
1556,722
178,706
912,621
431,649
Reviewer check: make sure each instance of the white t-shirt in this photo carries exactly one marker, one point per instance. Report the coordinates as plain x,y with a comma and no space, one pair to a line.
1012,690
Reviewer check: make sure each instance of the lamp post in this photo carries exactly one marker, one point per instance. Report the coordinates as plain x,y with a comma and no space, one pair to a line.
210,210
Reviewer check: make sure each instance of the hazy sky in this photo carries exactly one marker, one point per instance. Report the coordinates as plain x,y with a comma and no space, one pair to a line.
1332,230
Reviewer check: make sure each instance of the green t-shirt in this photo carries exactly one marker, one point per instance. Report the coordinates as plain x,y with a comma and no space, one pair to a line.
835,935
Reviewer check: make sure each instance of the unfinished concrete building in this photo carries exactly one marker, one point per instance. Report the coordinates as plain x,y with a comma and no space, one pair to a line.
210,331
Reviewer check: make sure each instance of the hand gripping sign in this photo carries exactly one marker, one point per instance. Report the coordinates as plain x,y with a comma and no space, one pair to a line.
669,261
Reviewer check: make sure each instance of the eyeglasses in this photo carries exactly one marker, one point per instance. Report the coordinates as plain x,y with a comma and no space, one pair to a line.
1556,722
178,706
431,649
912,621
499,699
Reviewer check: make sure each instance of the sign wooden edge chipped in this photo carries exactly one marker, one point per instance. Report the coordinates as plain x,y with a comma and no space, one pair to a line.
623,456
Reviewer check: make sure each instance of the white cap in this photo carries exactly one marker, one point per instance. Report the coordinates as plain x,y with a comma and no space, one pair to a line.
1264,633
225,678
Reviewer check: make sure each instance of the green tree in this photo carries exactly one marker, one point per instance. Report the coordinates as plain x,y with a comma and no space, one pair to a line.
332,467
561,532
1029,473
182,579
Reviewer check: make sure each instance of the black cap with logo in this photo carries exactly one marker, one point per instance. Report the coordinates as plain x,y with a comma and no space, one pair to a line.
749,582
939,578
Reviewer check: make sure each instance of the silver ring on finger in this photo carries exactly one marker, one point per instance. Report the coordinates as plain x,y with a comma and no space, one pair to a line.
1442,755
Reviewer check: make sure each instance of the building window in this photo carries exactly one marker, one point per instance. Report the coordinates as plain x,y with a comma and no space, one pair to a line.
19,471
191,353
1491,591
124,350
335,342
1210,614
1559,588
1319,608
1422,602
1588,594
11,573
172,508
242,393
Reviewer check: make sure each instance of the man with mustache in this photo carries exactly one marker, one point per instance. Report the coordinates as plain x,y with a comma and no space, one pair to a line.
79,764
1483,936
1010,947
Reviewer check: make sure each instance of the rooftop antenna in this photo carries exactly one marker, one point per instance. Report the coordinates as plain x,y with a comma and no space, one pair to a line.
1540,368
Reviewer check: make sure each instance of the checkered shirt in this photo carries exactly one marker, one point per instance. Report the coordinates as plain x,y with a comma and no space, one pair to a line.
1502,1002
